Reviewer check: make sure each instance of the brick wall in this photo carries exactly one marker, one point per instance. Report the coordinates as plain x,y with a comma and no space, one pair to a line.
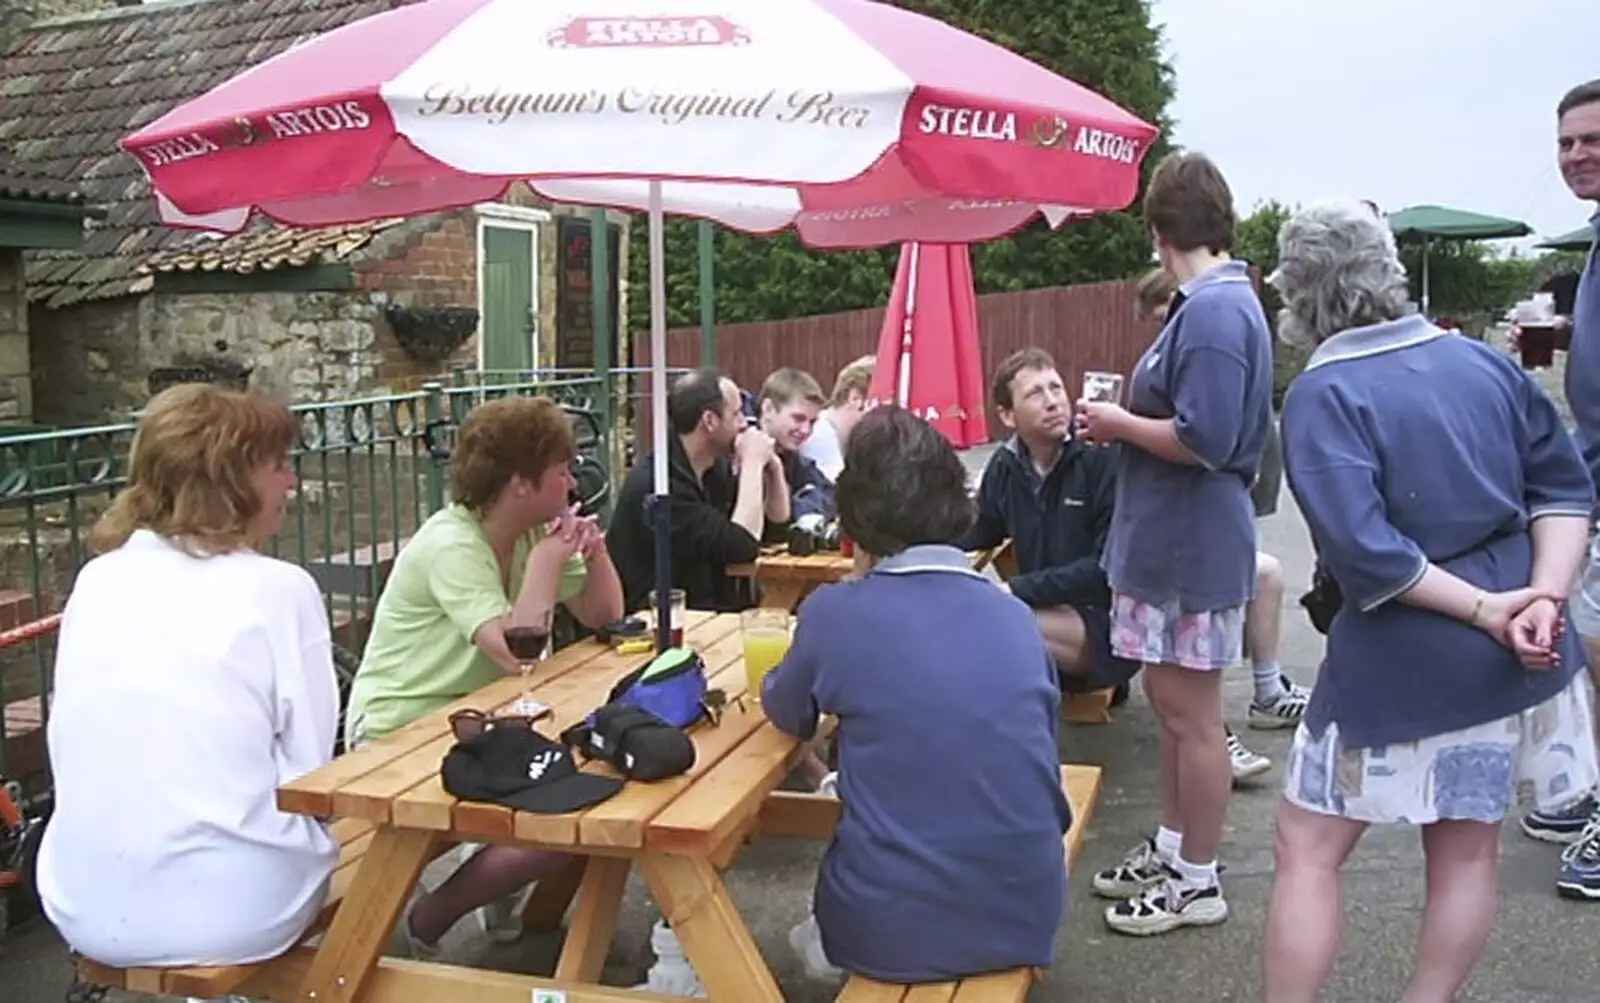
429,265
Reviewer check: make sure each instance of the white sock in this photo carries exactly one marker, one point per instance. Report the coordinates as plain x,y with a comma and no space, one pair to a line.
1269,682
1195,875
1167,844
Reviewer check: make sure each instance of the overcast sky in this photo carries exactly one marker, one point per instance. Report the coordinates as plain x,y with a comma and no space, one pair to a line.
1402,101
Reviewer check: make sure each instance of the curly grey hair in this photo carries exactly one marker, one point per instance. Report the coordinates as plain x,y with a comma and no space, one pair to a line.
1338,268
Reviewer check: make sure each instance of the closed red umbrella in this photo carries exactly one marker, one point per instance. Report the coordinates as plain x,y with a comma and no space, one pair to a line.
928,358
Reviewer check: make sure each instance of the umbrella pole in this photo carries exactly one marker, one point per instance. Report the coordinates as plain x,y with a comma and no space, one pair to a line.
661,509
906,327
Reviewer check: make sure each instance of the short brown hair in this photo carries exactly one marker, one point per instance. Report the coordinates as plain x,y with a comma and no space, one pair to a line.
1189,204
785,384
902,484
506,438
1017,362
189,471
855,378
1154,291
1583,94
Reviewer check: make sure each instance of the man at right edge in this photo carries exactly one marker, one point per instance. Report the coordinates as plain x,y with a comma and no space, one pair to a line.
1578,153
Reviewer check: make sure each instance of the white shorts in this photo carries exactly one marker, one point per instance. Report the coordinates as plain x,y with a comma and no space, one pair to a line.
1468,775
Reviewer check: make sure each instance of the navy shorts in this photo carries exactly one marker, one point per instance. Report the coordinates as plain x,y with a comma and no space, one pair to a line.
1105,668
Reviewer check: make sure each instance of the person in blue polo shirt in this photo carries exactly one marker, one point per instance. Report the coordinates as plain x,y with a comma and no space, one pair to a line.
947,858
1181,555
1449,503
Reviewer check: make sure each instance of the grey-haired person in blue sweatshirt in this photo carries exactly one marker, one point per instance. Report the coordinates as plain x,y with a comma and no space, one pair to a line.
1450,504
947,860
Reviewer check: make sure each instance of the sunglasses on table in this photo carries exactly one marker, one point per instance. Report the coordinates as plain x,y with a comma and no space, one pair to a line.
470,723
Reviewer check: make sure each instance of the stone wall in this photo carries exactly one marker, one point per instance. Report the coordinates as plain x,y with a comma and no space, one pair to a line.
89,366
300,347
92,361
16,394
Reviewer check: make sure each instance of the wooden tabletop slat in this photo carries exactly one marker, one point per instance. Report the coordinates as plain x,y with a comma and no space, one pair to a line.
396,780
312,794
705,815
424,803
480,818
370,794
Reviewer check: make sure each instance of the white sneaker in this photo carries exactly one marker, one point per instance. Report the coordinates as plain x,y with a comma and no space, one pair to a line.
671,975
828,786
1245,764
806,939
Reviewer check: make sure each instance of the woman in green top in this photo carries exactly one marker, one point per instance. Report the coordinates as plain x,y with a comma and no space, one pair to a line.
502,555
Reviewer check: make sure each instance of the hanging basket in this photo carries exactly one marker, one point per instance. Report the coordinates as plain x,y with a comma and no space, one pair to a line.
431,334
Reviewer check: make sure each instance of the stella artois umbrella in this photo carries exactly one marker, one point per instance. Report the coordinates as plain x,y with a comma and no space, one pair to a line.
929,361
856,123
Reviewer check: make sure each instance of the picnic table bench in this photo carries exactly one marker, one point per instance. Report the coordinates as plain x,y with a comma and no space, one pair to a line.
391,816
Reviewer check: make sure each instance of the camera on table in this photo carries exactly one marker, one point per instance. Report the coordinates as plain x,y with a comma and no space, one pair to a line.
812,533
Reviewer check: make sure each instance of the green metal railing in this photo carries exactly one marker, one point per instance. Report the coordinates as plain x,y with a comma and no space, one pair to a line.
366,482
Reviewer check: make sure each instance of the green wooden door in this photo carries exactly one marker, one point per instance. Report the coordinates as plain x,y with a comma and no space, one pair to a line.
510,320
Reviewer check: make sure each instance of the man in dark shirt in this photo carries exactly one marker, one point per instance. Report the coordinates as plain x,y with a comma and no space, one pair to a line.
1053,496
725,484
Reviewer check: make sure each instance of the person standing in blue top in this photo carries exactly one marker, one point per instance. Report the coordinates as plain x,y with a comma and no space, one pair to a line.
1181,556
1449,503
947,859
1578,152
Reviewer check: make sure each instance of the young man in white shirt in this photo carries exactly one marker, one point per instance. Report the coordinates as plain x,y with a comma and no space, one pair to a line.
845,407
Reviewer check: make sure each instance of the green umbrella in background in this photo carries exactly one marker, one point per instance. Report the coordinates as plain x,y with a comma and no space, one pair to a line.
1427,223
1580,239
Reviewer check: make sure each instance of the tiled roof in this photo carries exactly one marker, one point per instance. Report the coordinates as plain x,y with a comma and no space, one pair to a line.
264,248
18,181
70,89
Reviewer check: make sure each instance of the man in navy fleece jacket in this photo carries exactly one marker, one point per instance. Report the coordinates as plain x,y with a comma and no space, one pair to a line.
1053,496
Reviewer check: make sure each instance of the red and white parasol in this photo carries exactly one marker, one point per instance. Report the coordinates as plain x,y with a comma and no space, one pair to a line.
856,123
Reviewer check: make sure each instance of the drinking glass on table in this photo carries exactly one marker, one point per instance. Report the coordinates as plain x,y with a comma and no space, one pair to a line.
677,606
765,632
528,639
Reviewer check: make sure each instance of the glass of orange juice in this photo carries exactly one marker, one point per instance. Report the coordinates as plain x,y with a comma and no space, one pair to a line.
766,639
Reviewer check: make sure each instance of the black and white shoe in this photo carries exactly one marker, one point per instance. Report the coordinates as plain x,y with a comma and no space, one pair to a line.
1139,870
1283,712
1166,907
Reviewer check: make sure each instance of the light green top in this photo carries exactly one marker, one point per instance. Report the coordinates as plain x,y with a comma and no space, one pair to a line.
420,656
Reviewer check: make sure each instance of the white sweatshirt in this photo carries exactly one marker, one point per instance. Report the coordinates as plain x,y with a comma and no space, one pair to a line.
186,692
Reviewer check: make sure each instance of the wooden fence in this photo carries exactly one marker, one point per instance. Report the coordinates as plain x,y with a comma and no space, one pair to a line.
1084,327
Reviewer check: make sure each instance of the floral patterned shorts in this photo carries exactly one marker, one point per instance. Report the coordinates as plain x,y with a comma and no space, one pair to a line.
1166,635
1468,775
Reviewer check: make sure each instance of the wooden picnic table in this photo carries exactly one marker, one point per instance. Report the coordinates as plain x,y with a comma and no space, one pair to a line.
786,579
680,832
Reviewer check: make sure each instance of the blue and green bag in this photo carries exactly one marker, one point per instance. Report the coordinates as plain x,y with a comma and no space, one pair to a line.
672,686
